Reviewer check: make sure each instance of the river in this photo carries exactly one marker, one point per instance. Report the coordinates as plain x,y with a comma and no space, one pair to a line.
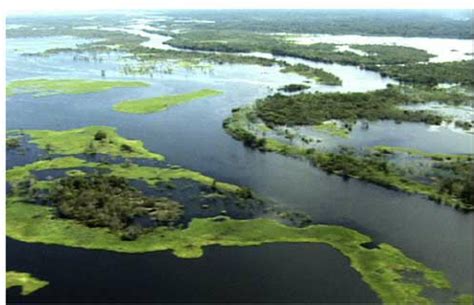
191,135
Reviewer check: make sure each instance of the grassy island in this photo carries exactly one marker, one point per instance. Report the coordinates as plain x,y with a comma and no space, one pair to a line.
90,140
161,103
316,74
43,87
26,281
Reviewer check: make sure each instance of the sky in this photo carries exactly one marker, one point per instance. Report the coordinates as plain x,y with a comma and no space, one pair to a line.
12,6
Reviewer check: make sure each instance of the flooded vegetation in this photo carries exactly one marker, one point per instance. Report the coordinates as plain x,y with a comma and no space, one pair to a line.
279,146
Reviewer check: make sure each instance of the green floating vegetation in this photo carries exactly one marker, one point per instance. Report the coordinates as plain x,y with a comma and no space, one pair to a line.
416,152
91,140
161,103
383,268
12,142
334,129
42,87
26,281
316,74
150,175
464,299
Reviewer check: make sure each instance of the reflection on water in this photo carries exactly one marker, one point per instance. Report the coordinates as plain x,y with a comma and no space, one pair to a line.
413,135
269,273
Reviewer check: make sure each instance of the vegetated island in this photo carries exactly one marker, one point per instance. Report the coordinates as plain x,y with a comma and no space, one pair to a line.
26,281
79,210
161,103
445,178
316,74
44,87
294,88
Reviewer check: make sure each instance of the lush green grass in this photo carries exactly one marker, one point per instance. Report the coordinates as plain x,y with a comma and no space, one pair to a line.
26,281
333,129
82,140
381,268
161,103
41,87
316,74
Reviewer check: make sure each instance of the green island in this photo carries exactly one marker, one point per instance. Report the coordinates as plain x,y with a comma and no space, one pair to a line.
294,88
316,74
44,87
161,103
26,281
89,140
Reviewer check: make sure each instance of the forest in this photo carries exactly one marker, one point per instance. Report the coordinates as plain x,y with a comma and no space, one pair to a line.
413,23
457,72
315,108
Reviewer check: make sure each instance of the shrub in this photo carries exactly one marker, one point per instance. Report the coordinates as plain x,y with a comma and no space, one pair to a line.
100,135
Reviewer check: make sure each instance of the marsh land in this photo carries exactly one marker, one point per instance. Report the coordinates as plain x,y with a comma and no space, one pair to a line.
327,156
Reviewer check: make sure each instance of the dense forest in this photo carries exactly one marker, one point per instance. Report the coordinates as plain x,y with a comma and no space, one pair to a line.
412,23
458,72
315,108
240,41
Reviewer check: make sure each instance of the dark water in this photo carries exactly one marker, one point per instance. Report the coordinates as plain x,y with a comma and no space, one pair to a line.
269,273
191,135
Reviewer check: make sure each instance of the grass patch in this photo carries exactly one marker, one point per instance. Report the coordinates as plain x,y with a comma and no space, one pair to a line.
26,281
161,103
464,299
333,129
44,87
91,140
381,268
